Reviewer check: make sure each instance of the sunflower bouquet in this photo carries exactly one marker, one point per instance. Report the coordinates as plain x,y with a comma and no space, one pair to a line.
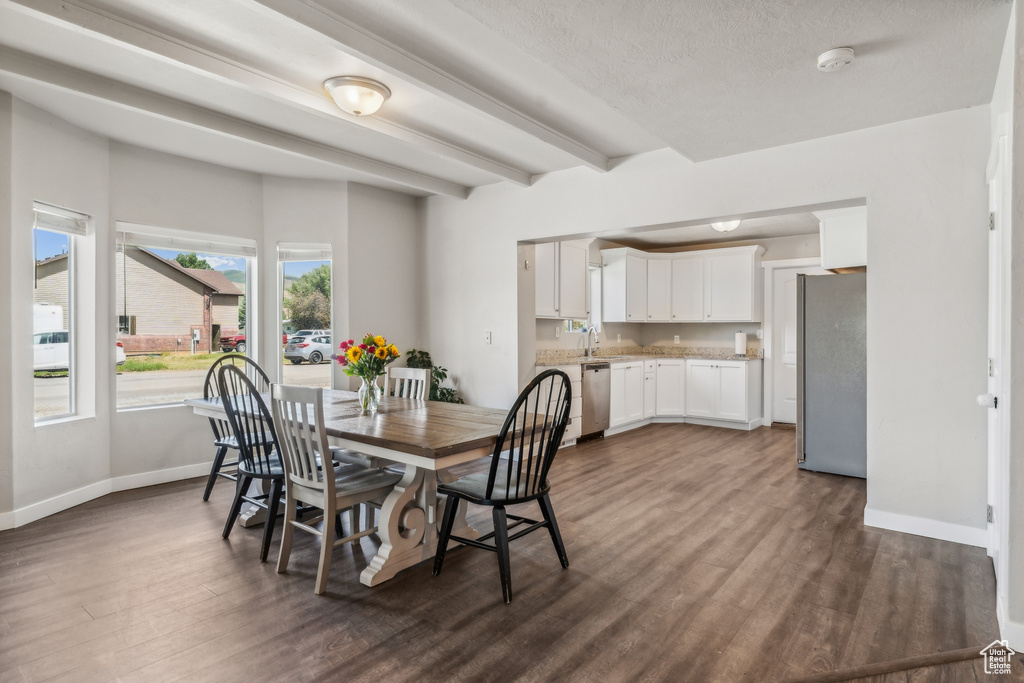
367,361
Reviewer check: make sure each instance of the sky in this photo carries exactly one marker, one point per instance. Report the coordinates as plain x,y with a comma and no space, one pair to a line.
52,243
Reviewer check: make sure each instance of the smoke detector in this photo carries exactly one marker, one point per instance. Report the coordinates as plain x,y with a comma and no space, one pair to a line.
835,59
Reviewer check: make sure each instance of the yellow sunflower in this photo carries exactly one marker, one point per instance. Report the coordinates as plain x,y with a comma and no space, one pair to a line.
379,341
393,350
381,352
353,354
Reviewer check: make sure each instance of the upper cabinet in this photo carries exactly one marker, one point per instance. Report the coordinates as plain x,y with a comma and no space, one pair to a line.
561,276
713,285
624,285
844,238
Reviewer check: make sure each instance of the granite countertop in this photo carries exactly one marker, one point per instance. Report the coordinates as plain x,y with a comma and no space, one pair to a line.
551,357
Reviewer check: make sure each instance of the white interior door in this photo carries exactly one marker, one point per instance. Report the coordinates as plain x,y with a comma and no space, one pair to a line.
784,342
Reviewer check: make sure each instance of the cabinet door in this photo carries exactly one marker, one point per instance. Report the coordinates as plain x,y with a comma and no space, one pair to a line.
634,398
732,390
729,287
545,262
573,264
659,290
688,289
671,376
636,289
617,397
650,394
701,381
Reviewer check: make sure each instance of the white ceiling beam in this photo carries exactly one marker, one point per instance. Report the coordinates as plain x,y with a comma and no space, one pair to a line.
200,60
130,97
385,55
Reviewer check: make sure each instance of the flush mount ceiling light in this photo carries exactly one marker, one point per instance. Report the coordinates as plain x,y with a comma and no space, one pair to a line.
836,59
725,226
355,95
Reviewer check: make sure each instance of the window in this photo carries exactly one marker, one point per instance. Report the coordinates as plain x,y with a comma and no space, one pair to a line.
305,297
181,302
54,233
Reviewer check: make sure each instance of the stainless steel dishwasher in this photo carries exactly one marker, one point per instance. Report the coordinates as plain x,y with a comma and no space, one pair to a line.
596,394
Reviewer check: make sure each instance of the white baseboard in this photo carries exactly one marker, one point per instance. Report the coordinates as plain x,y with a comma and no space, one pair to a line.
137,481
929,528
64,501
1010,631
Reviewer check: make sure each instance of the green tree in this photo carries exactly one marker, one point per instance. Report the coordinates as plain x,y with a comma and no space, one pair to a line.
311,310
191,260
241,312
316,280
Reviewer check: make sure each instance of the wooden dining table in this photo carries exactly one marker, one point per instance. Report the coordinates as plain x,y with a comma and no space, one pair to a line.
427,437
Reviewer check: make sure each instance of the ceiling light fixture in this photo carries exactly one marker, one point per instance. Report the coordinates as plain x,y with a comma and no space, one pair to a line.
836,59
357,96
725,226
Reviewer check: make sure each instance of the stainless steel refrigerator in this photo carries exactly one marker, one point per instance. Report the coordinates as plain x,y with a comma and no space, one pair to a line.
831,417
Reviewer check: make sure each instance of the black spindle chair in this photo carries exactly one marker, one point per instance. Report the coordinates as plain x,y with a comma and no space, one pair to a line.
253,429
223,438
522,457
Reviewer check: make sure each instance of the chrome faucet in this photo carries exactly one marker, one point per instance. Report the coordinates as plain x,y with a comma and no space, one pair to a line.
590,347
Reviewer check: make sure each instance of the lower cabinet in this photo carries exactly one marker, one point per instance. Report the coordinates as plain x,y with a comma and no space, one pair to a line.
626,403
722,389
650,388
670,398
573,429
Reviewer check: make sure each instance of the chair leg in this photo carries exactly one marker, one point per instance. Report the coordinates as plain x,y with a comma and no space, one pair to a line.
450,507
241,486
291,509
353,513
339,532
501,545
218,462
556,537
273,502
326,550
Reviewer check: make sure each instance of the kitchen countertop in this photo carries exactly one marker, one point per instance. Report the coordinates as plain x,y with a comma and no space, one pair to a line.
552,357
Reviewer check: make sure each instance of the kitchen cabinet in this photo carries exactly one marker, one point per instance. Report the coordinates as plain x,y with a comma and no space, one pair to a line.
659,290
688,288
844,237
561,279
713,285
574,428
670,382
624,285
650,388
723,389
626,402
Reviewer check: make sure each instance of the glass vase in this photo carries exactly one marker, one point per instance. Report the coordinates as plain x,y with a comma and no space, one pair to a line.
369,395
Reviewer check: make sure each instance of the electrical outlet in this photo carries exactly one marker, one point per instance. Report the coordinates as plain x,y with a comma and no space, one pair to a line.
675,339
760,333
558,331
618,338
487,337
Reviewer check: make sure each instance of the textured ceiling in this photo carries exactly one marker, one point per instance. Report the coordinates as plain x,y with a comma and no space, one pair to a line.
714,79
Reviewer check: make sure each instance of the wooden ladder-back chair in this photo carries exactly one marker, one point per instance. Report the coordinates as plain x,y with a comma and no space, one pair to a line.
522,457
298,415
223,438
253,429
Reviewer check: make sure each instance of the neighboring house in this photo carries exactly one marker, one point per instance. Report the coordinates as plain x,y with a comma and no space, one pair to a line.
160,304
51,283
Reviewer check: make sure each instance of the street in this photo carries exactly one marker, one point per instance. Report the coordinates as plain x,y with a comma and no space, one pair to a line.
162,386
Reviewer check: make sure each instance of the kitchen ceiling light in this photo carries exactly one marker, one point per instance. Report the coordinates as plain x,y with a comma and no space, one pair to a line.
355,95
725,226
836,59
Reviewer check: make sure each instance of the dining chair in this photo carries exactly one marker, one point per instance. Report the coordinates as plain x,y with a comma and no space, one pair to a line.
298,414
522,457
253,429
407,382
223,438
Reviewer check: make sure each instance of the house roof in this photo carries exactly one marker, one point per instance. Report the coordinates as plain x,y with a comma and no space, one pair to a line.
214,279
51,259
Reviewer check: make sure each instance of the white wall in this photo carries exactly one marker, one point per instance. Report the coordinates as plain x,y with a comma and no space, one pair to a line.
60,164
925,189
385,270
6,308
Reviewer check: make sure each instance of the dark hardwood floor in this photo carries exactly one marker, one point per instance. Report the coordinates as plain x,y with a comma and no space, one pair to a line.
697,554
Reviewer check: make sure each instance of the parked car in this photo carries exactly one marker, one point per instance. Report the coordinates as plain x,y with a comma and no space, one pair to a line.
314,349
50,351
235,343
309,333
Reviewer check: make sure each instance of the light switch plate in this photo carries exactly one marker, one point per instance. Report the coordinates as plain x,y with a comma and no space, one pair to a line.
675,339
487,337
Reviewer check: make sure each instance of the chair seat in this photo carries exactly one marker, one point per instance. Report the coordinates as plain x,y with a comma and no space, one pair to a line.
353,479
344,455
275,468
473,487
